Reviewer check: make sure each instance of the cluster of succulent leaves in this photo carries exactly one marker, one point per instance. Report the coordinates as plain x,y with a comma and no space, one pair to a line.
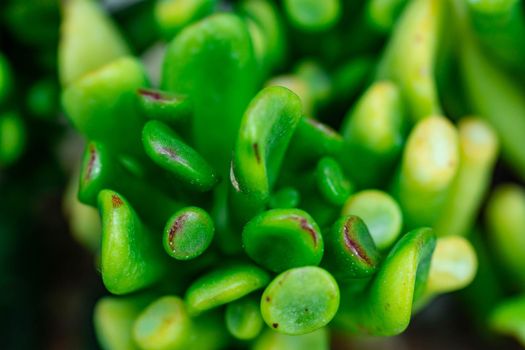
291,169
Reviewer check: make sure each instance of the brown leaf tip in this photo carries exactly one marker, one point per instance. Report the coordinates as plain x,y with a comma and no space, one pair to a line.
176,227
352,244
255,147
305,226
91,163
169,152
116,201
151,94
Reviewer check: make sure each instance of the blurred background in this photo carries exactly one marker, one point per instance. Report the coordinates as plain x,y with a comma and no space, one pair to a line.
48,281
